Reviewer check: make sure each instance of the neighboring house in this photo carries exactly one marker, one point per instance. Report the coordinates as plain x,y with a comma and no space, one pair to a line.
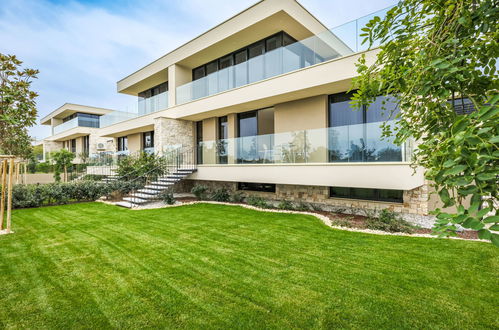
262,99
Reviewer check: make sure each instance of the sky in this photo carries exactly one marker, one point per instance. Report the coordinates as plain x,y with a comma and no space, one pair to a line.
83,47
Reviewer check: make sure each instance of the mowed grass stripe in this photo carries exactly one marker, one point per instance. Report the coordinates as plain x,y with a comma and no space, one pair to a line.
216,266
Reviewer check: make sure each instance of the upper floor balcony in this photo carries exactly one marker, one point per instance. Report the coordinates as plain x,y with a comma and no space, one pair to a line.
143,107
79,120
331,44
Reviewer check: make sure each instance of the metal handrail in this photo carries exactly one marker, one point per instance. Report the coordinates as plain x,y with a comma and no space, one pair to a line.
175,160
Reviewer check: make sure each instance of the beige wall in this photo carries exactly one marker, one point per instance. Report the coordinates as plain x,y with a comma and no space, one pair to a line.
210,136
357,175
308,113
40,178
177,76
135,142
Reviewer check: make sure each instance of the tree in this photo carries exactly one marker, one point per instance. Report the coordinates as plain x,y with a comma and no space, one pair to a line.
17,106
437,55
62,158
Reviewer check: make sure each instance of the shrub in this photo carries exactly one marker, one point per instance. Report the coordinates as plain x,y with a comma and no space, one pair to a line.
167,197
237,197
63,193
199,191
44,167
94,177
285,205
258,202
220,195
144,164
389,221
303,207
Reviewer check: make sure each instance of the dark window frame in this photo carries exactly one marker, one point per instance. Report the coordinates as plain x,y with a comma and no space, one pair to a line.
285,39
199,140
144,138
256,186
122,143
153,91
376,193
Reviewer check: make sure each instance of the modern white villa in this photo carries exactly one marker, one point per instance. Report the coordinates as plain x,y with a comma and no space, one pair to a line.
262,101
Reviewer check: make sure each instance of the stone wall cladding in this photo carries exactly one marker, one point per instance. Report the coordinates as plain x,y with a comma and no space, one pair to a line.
414,208
173,132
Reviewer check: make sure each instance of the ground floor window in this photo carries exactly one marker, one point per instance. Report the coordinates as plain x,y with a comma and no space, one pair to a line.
148,140
253,186
383,195
123,143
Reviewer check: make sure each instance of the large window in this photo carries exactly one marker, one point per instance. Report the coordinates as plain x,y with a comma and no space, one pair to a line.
355,135
252,186
247,53
86,144
147,140
223,135
123,143
255,143
73,146
161,88
383,195
84,119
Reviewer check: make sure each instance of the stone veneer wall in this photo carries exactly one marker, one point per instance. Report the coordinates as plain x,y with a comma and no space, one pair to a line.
414,208
173,132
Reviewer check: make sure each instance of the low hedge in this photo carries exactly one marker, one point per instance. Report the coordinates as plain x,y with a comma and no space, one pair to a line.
35,195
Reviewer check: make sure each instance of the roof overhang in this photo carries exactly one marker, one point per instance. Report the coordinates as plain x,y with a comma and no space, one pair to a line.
68,109
255,23
72,133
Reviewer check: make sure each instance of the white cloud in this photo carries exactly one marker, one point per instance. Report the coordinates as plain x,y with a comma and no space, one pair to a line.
81,50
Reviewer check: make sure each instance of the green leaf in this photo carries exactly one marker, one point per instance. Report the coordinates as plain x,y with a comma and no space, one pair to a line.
484,234
486,176
483,212
455,170
491,219
494,227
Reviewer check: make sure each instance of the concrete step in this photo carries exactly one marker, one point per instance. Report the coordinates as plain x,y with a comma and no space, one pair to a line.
155,187
143,196
169,179
162,183
127,205
148,191
135,200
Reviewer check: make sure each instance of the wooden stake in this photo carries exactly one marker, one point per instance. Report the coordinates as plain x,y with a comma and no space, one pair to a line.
9,195
2,199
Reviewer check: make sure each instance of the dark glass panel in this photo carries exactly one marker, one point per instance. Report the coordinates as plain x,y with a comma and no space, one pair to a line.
211,67
198,73
252,186
273,42
225,62
256,49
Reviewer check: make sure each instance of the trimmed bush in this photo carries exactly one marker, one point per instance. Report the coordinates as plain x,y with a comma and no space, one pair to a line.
389,221
199,191
285,205
220,195
62,193
237,197
258,202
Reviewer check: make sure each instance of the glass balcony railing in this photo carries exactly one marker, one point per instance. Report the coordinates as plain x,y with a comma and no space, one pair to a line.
335,43
142,107
65,126
352,143
116,117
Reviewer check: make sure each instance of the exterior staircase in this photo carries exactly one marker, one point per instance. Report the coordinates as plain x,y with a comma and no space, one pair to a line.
152,191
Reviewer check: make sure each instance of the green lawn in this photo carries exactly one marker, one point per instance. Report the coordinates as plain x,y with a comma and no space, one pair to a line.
214,266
